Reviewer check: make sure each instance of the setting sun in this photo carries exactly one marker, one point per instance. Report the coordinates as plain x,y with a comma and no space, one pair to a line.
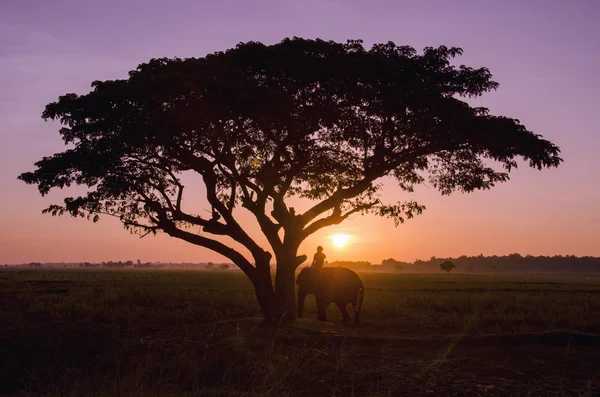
340,240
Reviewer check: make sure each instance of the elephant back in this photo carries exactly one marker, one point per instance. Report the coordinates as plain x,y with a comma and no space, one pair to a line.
341,281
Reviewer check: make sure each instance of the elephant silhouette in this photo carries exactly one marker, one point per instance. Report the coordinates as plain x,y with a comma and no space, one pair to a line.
339,285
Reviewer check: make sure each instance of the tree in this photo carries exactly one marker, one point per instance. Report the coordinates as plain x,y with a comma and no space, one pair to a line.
393,264
224,267
319,120
447,266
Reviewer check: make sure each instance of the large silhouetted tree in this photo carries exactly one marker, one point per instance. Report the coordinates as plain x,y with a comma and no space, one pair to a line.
314,119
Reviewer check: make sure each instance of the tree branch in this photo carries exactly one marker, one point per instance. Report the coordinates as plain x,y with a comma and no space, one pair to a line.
335,218
237,258
257,208
336,199
373,174
234,230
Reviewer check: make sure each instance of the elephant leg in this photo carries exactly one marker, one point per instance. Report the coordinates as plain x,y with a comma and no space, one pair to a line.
345,314
356,309
322,308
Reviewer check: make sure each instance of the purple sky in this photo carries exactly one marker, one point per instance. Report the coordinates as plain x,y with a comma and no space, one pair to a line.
545,55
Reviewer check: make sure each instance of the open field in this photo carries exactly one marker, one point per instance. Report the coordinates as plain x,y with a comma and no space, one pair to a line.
187,333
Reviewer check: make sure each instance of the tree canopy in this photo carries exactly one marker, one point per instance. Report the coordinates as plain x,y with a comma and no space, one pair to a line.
447,266
260,123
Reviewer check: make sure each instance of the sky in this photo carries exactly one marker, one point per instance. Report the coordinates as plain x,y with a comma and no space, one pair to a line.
545,55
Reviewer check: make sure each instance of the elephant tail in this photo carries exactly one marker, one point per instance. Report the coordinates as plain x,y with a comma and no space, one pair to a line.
358,304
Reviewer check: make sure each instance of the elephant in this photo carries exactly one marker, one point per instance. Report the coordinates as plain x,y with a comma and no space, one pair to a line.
331,284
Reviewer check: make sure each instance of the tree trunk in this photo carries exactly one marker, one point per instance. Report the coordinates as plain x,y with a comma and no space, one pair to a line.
263,286
266,298
278,305
285,276
285,292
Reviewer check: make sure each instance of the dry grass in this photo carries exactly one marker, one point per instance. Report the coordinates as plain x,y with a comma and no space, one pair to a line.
186,333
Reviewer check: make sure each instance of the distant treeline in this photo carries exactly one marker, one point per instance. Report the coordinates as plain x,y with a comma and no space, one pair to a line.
513,263
131,265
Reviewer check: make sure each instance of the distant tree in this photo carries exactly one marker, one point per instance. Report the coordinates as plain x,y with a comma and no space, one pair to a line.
224,267
260,124
210,265
447,266
494,268
388,262
139,262
394,264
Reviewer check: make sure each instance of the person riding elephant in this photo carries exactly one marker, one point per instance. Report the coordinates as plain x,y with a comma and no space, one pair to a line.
318,258
337,285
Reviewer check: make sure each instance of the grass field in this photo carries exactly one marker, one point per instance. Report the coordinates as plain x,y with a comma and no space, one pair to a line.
188,333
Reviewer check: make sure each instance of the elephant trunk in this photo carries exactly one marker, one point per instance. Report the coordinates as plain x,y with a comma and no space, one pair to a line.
301,298
358,304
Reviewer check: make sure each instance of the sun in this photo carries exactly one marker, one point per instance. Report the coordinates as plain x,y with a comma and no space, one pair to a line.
340,240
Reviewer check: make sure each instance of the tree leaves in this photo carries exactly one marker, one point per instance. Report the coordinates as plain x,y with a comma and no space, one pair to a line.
308,118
